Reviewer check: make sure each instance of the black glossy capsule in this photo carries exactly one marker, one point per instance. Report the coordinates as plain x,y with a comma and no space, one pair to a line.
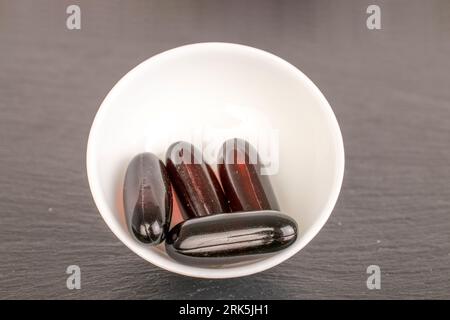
228,238
245,187
196,186
147,198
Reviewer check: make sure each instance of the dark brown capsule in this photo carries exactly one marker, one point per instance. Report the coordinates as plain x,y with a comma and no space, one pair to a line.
245,187
147,198
228,238
196,186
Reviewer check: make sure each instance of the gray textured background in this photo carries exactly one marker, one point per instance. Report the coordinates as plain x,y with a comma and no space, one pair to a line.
390,90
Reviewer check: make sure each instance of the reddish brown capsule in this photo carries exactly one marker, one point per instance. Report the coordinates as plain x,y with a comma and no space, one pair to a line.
147,198
196,186
240,173
229,238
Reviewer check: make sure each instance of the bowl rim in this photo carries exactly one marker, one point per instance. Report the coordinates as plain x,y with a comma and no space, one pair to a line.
235,271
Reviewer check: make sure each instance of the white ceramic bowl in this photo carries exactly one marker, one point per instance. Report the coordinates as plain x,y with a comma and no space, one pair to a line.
210,86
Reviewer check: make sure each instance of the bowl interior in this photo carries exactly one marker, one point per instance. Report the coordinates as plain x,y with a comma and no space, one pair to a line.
205,93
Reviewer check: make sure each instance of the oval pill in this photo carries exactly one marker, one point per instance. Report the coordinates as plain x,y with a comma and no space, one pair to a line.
195,184
228,238
245,187
147,198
